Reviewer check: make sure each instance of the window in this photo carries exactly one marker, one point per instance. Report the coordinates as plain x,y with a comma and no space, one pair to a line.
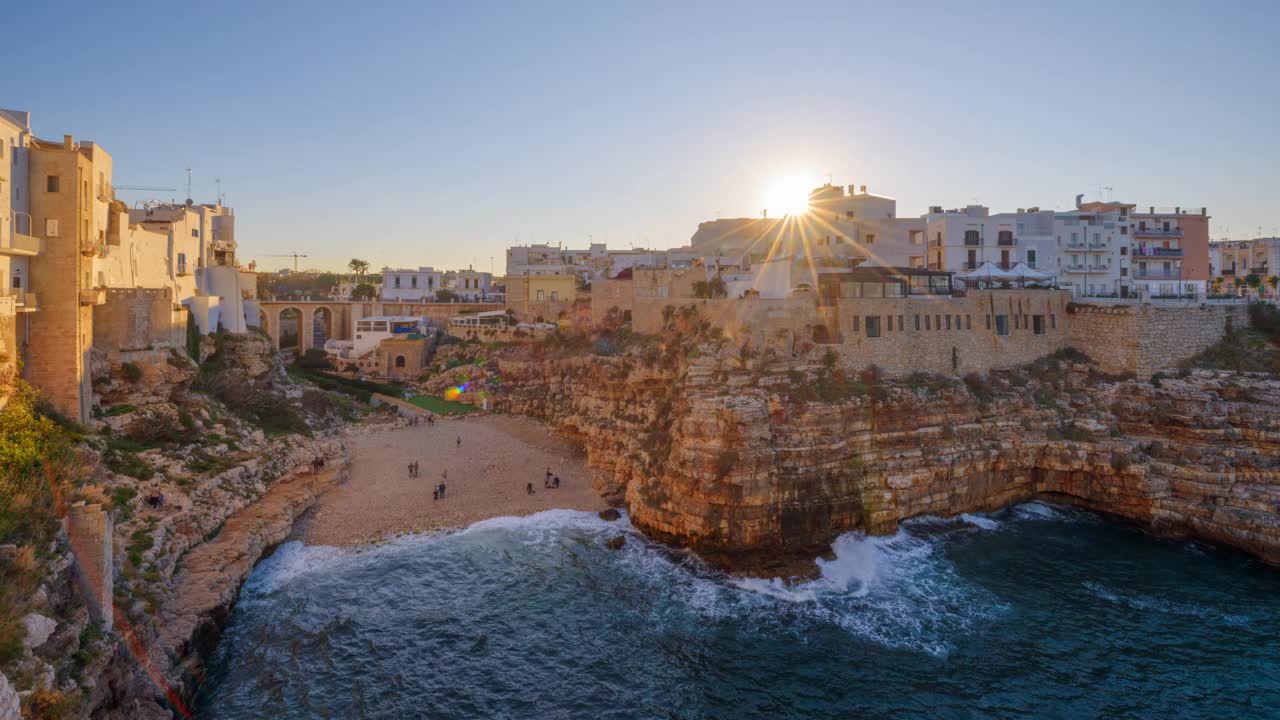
51,227
988,322
555,295
397,281
937,322
928,323
1124,229
873,326
399,361
1053,320
1031,258
968,322
1002,325
413,282
917,323
1015,321
541,296
182,263
856,323
51,183
957,322
195,232
871,238
948,322
971,237
1037,324
889,325
899,323
1124,250
1006,237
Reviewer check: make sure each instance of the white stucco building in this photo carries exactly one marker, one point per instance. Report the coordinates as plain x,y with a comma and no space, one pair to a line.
406,285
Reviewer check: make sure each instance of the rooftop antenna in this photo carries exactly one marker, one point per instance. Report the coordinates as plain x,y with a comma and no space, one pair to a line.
188,184
218,181
1109,190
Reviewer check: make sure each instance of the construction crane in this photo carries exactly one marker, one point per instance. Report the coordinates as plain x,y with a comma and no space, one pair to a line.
295,257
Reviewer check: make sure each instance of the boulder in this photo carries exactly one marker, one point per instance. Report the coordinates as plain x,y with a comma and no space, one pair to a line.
10,706
616,543
39,628
610,515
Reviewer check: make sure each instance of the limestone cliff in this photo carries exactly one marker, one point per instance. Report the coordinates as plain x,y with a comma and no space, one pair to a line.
758,463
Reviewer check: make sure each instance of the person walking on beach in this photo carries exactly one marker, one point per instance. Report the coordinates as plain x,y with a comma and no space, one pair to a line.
435,494
410,469
442,490
555,481
529,489
459,441
546,481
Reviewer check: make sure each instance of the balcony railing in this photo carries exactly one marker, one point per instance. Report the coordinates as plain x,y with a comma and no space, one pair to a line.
14,243
1099,268
1157,232
973,242
1097,246
1157,252
1076,244
1074,268
1140,274
24,300
1229,272
1007,242
1259,269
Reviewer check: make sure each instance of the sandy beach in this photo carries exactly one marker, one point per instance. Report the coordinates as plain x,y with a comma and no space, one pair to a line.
487,476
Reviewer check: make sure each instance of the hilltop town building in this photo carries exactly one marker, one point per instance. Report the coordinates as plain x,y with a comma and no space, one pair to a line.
17,242
405,285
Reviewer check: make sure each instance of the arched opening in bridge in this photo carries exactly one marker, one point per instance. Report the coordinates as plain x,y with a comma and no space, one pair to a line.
290,329
321,326
399,361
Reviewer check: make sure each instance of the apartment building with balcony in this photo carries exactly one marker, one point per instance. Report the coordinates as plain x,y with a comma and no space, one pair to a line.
1170,251
17,244
850,222
963,239
68,203
473,285
1232,259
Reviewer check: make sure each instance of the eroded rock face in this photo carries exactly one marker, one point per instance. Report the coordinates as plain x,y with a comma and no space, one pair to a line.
731,461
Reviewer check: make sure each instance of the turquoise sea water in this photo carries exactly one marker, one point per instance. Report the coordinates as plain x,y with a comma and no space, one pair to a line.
1033,612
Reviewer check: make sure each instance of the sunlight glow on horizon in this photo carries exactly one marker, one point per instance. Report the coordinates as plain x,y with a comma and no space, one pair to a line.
788,195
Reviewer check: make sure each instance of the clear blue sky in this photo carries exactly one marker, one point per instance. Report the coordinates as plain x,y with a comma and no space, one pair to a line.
410,134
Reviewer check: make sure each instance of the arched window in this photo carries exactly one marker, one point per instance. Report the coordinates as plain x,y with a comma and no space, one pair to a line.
399,361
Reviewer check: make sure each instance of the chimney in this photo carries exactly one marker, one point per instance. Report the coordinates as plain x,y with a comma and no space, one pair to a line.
1204,211
68,142
1151,210
1079,200
863,189
1177,211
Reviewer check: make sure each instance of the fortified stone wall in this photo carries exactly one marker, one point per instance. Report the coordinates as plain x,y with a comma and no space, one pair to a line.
951,335
136,318
982,331
1143,339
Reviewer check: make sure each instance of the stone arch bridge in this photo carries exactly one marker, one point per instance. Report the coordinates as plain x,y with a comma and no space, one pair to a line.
342,315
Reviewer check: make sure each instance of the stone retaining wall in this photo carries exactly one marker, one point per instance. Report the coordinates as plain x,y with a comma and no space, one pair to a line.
1145,338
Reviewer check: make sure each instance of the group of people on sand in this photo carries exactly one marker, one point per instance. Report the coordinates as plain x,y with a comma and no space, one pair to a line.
550,482
417,420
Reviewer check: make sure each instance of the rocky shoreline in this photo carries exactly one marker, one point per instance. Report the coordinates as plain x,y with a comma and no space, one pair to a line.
740,461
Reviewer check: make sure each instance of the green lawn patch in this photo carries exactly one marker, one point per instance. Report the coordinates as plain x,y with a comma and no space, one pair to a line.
440,407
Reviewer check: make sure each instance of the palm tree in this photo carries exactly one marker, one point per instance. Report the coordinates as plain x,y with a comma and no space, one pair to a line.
359,267
1254,281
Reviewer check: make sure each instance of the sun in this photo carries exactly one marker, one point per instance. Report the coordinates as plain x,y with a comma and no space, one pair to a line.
788,195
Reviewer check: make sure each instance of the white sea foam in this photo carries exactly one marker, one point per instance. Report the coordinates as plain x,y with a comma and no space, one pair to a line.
979,521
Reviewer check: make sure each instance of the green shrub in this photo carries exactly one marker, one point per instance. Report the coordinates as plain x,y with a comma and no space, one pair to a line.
313,359
131,371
